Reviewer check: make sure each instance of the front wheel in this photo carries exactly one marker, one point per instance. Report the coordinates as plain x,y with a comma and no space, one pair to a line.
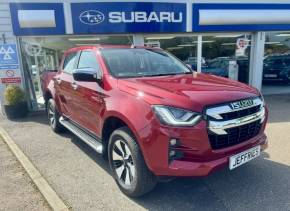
53,116
128,166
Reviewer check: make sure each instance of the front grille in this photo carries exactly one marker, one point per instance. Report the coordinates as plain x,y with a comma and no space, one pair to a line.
240,113
235,135
228,127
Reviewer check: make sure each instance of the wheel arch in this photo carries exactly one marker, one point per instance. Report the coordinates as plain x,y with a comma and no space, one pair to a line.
112,123
47,95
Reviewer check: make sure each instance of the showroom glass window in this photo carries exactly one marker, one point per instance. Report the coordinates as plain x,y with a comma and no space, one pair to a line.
276,68
227,55
183,47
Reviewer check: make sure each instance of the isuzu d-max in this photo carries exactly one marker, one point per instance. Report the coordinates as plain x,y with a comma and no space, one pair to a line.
153,117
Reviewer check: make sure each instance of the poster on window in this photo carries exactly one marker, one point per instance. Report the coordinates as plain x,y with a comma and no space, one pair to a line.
241,47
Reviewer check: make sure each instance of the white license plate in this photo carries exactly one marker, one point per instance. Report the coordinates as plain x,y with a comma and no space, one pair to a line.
270,75
244,157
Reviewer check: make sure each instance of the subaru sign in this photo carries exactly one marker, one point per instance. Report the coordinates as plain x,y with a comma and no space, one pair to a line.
91,17
128,17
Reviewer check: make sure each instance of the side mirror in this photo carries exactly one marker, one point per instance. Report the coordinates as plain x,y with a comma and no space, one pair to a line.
87,74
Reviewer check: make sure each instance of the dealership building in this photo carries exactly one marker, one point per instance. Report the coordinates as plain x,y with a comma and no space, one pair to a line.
246,40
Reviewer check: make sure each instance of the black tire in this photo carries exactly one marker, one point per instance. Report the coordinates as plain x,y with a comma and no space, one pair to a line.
53,116
142,180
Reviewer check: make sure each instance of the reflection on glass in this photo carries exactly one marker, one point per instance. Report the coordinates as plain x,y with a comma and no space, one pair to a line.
184,48
277,59
227,56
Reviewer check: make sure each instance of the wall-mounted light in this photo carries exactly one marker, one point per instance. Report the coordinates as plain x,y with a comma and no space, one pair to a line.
83,39
159,38
174,48
205,41
186,45
272,43
229,36
283,35
230,43
84,44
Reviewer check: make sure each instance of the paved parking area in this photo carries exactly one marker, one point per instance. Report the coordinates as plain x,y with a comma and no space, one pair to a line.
17,192
277,88
82,178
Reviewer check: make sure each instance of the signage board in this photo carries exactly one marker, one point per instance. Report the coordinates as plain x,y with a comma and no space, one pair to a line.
9,64
37,18
229,17
8,55
14,80
128,17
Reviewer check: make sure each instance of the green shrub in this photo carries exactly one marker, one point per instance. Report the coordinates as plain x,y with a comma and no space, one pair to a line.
14,95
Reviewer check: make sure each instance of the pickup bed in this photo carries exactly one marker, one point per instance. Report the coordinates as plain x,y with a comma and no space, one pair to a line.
153,117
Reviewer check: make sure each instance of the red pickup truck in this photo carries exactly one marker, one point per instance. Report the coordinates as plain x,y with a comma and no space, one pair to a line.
152,116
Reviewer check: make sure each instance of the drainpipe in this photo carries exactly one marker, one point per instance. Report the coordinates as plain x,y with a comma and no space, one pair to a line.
199,53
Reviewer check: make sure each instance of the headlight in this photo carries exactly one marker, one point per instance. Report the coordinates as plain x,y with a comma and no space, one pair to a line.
176,116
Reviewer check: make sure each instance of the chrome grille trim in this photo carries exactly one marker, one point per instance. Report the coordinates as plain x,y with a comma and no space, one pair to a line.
216,112
219,127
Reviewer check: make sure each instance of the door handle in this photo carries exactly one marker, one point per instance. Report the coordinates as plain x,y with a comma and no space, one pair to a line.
58,80
74,85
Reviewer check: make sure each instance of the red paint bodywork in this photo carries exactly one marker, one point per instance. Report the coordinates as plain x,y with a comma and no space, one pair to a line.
131,99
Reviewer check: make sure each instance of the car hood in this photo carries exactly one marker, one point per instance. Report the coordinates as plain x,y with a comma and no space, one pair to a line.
191,91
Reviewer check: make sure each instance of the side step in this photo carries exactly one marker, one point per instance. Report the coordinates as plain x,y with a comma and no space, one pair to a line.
89,140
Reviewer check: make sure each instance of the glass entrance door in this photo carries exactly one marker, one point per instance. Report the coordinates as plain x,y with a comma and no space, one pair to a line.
36,59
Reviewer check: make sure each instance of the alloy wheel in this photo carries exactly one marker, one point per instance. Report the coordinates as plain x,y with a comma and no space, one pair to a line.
123,163
51,114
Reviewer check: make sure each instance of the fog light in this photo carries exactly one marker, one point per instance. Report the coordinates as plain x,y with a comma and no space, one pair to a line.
173,142
172,153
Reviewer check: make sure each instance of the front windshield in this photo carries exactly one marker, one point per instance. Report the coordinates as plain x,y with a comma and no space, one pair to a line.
125,63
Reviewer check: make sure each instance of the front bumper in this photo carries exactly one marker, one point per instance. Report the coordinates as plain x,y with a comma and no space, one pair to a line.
199,158
186,168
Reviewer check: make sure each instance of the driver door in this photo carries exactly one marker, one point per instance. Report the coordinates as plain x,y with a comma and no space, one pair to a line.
63,85
88,96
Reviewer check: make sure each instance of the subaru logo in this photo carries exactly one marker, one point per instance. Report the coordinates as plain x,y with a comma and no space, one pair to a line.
92,17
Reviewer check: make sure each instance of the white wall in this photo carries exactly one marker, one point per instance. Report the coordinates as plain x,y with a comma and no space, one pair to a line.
5,23
6,30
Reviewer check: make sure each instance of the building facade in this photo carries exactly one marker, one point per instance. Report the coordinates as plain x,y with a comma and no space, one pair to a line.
243,40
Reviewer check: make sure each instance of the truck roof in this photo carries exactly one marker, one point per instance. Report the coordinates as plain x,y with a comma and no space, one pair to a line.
97,47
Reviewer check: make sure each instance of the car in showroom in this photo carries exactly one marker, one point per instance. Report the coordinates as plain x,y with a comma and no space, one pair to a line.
206,67
152,116
277,68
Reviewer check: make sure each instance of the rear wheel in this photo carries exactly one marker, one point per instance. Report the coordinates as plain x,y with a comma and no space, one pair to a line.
53,116
128,166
